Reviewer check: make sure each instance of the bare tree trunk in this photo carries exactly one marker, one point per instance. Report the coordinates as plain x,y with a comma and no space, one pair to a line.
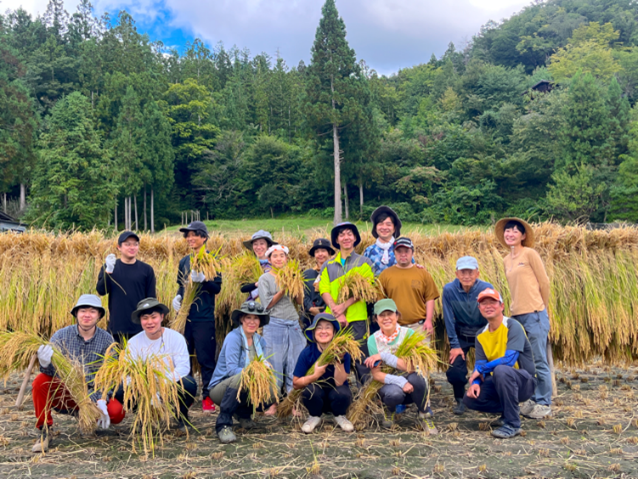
361,197
115,216
345,200
126,213
23,197
152,214
4,202
145,224
337,163
136,223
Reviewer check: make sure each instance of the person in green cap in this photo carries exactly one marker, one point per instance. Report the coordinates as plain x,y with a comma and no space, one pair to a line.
405,387
240,346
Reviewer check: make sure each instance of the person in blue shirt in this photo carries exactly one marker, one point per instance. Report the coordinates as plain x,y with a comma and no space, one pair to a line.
386,226
462,321
326,389
240,346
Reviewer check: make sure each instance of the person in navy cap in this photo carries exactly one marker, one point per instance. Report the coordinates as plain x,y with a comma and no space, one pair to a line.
127,281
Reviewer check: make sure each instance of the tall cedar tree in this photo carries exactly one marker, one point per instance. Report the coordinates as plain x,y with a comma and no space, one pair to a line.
335,87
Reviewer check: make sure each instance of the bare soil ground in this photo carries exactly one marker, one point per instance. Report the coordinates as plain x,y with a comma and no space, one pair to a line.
593,433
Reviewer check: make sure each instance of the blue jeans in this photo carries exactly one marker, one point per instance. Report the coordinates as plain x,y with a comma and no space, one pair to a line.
537,328
284,343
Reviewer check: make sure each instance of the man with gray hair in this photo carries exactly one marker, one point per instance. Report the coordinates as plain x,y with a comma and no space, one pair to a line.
463,320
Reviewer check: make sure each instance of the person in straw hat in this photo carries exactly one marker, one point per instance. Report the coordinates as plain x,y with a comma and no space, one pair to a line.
283,335
529,289
504,372
313,303
86,343
258,244
160,341
326,389
240,347
200,327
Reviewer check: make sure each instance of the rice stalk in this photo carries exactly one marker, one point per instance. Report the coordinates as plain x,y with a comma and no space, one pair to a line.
259,380
343,343
208,263
150,393
354,285
290,279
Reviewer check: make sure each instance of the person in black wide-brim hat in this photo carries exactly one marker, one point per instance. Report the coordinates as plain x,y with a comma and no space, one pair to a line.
313,303
386,226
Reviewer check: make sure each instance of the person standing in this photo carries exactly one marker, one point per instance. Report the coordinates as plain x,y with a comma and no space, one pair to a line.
283,336
529,289
200,326
386,226
127,281
258,244
351,313
313,303
85,343
504,370
463,321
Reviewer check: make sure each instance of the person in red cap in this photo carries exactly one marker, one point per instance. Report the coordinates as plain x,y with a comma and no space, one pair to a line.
504,372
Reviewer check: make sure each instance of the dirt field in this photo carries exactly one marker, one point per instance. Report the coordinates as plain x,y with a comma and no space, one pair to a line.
593,433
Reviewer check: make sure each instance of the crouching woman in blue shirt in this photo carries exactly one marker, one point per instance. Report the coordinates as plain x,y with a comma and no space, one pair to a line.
240,347
326,389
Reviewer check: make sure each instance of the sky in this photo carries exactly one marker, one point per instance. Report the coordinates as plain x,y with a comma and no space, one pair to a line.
387,34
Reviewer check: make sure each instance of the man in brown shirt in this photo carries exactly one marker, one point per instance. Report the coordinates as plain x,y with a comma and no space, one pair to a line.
412,289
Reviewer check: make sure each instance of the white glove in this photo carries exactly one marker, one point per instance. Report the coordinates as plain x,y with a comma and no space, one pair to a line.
105,421
197,277
110,263
177,302
45,353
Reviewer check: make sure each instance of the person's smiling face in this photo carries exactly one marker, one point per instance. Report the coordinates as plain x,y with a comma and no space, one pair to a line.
385,229
513,237
250,323
87,317
324,332
194,241
387,321
491,308
346,238
259,248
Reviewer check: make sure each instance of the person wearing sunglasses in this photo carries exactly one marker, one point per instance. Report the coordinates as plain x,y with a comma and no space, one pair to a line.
240,346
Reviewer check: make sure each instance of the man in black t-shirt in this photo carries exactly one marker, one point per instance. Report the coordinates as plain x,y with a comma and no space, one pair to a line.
127,281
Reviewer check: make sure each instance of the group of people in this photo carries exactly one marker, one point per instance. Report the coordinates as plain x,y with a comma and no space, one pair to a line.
511,375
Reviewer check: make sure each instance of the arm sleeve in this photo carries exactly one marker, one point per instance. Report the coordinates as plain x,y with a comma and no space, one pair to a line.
347,363
181,359
541,276
265,294
324,282
477,364
101,282
151,284
396,380
302,366
233,355
390,359
509,359
372,346
215,286
182,274
448,316
247,288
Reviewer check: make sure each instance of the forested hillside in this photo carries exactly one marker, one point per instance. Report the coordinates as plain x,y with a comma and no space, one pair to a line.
95,116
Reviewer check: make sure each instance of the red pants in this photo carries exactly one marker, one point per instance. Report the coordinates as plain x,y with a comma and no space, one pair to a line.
49,393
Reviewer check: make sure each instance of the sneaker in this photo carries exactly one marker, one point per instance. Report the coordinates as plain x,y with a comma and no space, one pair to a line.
311,423
42,444
460,407
539,412
387,422
428,411
208,406
506,431
498,422
247,423
527,407
428,424
400,409
344,424
226,435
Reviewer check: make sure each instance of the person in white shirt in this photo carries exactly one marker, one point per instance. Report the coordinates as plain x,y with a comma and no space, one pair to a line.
158,340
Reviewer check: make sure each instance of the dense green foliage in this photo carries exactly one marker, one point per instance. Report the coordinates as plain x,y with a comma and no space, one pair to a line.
93,113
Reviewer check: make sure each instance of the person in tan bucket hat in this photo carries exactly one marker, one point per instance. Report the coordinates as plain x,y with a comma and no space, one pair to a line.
529,289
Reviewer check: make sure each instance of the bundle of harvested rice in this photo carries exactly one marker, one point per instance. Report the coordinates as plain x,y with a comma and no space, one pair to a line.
259,381
342,343
17,349
241,270
418,357
290,279
354,285
191,291
149,391
208,263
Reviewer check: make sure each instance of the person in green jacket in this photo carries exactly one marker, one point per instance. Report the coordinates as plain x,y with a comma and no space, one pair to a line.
350,314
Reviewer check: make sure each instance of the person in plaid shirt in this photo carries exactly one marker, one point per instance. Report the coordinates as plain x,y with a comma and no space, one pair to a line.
83,342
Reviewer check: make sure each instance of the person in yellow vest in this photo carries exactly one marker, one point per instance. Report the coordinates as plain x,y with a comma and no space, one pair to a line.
504,371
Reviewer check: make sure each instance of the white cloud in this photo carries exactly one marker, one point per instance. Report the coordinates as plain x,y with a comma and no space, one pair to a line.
388,34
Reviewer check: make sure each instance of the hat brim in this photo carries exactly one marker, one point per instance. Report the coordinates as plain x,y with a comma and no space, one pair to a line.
135,315
385,209
310,330
131,235
312,250
99,308
248,244
335,233
264,318
499,232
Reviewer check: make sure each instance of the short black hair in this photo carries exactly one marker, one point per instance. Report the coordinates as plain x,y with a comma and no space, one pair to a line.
154,309
514,224
384,216
325,248
200,233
